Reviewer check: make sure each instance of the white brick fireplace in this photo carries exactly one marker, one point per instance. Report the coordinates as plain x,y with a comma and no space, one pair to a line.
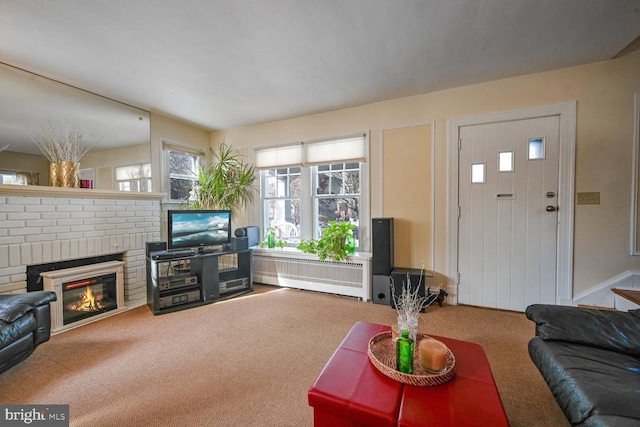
40,225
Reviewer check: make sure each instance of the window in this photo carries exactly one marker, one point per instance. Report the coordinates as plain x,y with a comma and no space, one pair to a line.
134,178
182,163
19,178
281,189
304,186
8,177
337,196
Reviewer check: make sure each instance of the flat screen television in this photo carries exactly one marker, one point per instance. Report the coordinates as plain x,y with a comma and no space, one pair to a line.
198,228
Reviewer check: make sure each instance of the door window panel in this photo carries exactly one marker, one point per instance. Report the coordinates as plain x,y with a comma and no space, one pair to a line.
536,148
478,173
505,161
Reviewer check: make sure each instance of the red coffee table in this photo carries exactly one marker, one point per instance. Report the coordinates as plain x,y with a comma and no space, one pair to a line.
350,391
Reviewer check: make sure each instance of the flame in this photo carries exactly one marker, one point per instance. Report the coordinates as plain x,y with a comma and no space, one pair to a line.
87,302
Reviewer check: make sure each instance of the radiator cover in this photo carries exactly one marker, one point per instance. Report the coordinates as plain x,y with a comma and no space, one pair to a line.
294,269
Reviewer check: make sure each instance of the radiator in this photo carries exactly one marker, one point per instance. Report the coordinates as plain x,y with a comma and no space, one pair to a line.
294,269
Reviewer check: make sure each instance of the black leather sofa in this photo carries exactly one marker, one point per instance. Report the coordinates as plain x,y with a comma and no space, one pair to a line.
25,323
591,361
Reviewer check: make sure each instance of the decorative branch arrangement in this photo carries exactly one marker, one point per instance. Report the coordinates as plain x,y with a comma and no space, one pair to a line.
60,142
409,304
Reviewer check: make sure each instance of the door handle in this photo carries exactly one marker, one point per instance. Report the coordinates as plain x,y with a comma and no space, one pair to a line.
551,208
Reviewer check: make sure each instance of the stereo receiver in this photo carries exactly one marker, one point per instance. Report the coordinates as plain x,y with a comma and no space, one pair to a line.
177,281
178,299
234,285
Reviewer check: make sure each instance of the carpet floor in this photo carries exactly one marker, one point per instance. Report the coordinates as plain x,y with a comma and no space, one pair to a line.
247,361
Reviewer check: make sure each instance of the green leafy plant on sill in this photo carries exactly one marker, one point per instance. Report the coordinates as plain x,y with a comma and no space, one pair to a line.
333,244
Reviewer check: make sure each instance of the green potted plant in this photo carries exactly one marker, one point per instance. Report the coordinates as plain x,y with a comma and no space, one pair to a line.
336,242
226,183
271,239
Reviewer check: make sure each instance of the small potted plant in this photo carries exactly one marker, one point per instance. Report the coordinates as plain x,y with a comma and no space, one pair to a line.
271,239
336,242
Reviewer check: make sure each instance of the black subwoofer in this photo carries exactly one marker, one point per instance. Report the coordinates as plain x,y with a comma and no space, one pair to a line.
381,289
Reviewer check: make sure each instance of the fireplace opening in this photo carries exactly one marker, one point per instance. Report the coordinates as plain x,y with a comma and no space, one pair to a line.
86,298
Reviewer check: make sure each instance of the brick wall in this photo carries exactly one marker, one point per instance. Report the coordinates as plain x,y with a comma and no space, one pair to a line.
35,230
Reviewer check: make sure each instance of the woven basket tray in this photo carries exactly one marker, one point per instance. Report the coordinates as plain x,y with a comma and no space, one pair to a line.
382,353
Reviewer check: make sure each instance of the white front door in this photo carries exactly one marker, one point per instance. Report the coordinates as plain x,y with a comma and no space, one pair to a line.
508,212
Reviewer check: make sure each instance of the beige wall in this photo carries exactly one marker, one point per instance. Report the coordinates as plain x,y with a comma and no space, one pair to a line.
604,92
104,163
20,162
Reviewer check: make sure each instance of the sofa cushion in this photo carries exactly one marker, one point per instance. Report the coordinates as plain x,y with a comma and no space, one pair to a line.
589,382
9,313
607,329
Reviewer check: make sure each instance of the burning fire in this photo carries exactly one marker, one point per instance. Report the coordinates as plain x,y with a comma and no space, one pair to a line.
87,302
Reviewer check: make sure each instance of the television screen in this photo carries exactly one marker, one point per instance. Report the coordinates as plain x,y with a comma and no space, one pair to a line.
199,228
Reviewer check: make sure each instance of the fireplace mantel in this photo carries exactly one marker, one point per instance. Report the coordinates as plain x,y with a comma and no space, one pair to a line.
80,193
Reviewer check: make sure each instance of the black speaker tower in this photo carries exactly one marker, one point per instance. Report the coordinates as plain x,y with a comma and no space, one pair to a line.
382,259
382,243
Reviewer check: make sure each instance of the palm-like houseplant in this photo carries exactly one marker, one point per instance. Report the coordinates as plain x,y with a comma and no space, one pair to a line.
225,183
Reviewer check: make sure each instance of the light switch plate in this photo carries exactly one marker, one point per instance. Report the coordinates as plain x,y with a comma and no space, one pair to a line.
592,198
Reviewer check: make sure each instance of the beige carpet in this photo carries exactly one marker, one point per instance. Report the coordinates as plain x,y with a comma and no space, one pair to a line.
248,361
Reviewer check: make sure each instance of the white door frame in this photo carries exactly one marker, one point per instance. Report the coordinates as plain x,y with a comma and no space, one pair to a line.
566,188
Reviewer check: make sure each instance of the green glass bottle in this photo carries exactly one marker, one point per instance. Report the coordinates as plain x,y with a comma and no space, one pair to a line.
404,353
351,244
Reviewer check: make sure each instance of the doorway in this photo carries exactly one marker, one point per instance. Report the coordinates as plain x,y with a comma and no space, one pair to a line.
512,200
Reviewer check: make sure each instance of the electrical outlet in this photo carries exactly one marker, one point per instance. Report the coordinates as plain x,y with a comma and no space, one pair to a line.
592,198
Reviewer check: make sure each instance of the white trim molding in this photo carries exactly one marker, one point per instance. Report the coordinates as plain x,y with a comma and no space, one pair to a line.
635,176
603,296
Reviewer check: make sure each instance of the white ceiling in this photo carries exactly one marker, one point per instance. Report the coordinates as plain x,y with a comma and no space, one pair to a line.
223,63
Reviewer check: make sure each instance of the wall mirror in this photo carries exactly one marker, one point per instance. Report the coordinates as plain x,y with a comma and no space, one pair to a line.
119,134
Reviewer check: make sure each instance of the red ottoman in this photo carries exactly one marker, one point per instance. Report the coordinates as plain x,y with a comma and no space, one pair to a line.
469,399
350,391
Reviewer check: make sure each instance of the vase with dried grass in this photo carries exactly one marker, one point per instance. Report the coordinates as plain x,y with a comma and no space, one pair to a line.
63,145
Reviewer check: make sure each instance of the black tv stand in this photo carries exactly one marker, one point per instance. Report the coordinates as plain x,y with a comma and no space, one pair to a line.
197,278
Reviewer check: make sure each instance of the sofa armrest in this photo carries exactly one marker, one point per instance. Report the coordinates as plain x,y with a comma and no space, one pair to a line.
43,324
607,329
36,298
